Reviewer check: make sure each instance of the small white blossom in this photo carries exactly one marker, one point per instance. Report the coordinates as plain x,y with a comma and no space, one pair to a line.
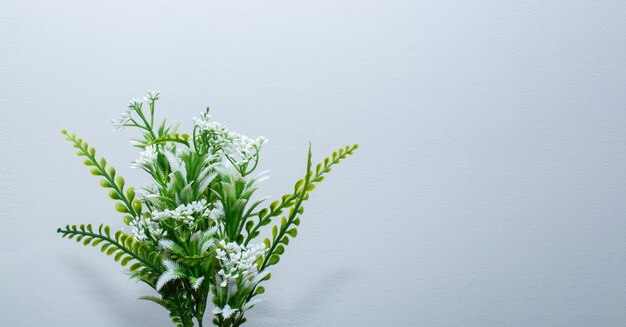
236,146
202,122
139,229
246,148
217,212
184,212
135,103
124,120
238,264
146,158
153,96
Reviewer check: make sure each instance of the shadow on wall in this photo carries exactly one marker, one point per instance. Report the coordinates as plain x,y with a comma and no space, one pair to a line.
118,305
305,309
319,296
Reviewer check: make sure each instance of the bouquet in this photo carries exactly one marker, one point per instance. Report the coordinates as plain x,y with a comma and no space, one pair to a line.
193,235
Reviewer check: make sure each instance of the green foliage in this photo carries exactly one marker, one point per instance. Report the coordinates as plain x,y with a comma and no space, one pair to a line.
174,137
288,225
234,193
302,188
144,263
183,180
192,229
180,306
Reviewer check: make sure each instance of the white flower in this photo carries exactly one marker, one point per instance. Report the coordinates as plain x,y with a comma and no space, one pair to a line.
184,212
140,228
202,122
237,146
153,96
238,264
226,311
146,158
122,121
135,103
217,212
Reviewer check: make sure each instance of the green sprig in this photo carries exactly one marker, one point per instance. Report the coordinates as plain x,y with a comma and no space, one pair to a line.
127,203
125,249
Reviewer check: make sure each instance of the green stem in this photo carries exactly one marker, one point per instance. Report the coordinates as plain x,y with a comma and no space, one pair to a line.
148,125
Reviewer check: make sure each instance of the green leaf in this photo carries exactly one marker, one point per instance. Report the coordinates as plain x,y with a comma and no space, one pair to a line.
292,232
119,255
267,277
130,193
120,207
135,266
137,205
125,261
249,226
104,247
119,180
299,184
128,220
273,260
113,194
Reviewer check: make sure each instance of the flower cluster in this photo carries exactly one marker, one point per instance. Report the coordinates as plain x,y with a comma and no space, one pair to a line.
141,229
146,158
238,262
123,121
203,122
238,270
135,105
245,148
184,212
237,147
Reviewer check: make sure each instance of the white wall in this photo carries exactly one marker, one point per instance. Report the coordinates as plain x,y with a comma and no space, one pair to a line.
489,189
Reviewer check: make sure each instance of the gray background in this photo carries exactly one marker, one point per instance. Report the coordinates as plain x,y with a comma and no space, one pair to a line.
488,191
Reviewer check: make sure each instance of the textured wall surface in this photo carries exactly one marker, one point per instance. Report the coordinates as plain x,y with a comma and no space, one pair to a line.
489,190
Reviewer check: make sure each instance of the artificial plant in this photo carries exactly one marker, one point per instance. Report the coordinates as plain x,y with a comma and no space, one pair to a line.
193,233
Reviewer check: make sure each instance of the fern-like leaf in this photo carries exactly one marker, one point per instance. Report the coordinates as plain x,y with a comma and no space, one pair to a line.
127,203
301,192
123,247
